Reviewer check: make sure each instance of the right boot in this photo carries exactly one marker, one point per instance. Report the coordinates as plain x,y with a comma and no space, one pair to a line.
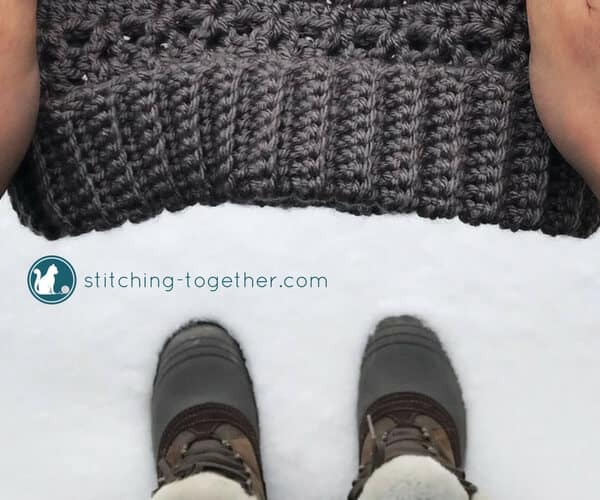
204,416
412,419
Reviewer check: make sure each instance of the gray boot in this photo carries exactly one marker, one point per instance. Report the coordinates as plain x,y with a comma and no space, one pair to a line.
204,415
409,402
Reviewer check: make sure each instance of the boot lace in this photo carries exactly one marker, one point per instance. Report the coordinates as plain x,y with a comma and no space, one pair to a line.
418,436
214,455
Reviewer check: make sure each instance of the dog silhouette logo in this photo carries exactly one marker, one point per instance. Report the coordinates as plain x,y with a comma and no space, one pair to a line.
51,279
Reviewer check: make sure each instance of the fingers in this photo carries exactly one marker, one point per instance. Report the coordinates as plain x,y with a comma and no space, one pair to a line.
17,16
17,33
556,23
543,16
19,83
545,13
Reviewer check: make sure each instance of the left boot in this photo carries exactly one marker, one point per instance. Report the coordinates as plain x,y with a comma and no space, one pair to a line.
204,418
410,410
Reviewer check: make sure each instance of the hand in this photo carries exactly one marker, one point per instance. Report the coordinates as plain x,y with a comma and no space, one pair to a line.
19,83
565,79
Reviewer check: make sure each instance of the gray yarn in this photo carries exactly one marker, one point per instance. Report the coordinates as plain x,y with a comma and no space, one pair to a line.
367,106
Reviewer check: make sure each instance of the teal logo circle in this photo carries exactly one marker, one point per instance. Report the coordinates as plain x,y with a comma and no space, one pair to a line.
51,279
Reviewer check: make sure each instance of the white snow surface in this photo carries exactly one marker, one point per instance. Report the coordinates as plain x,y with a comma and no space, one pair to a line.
518,314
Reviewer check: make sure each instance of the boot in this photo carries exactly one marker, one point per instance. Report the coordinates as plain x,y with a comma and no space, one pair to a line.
410,405
204,415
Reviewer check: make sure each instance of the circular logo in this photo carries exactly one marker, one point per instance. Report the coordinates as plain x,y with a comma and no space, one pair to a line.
51,279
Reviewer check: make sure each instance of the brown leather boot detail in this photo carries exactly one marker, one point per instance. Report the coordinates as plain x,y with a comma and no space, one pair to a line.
211,438
408,424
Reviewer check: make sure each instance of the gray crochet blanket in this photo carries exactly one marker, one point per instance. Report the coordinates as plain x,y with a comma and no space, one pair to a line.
366,106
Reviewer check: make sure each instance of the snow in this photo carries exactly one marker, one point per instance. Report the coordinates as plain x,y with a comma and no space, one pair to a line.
517,312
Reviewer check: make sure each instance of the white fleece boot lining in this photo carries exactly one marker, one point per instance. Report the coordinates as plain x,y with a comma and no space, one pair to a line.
205,486
413,478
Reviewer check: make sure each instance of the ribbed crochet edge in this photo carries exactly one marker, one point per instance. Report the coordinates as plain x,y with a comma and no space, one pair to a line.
363,137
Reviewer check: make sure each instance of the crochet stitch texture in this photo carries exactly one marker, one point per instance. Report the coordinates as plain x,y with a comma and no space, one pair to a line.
366,106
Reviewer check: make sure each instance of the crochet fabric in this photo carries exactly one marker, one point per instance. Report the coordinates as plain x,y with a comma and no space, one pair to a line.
367,106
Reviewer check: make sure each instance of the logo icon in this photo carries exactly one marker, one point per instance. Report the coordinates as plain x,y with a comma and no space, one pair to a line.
51,279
